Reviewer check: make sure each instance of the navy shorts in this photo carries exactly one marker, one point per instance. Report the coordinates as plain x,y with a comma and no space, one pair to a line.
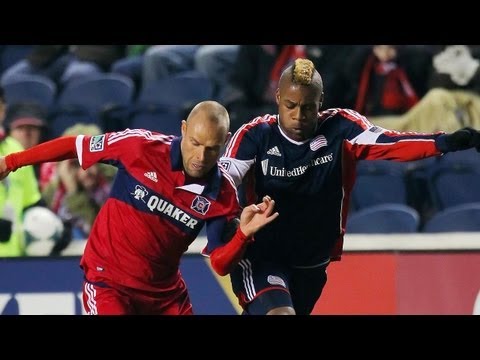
263,286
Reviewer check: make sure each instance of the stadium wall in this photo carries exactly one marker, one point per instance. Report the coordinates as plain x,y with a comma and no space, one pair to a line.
425,274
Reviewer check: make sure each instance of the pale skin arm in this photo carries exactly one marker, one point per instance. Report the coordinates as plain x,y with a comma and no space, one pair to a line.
256,216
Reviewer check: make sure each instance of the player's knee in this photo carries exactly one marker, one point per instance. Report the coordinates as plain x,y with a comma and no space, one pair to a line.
284,310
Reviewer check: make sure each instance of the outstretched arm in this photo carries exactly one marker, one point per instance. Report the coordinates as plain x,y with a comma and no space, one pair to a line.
54,150
462,139
253,218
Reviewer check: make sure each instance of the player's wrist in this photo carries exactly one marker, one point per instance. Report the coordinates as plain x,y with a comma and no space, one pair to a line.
11,162
244,236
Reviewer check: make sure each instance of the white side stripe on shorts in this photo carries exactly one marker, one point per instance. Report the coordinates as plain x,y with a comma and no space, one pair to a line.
248,279
91,302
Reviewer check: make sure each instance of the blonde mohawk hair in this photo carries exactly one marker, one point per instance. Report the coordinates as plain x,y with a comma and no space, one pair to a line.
303,71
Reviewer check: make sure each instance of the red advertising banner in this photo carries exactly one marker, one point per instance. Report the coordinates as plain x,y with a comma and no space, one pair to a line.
430,284
433,283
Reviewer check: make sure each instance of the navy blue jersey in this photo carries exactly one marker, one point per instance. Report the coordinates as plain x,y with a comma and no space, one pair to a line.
311,181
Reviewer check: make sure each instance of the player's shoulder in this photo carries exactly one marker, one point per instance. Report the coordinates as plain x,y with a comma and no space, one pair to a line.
345,113
260,123
227,180
141,137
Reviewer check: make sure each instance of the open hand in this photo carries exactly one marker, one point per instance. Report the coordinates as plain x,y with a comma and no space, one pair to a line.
256,216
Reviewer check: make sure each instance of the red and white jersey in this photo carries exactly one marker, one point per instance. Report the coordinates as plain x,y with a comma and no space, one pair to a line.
152,215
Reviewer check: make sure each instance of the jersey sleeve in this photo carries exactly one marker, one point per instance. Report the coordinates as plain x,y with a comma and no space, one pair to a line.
221,229
110,147
369,142
241,152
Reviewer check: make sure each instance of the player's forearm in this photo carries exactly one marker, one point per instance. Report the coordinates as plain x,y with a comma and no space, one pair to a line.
55,150
224,259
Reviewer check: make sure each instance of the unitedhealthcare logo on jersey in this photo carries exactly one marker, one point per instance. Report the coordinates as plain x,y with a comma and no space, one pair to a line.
297,171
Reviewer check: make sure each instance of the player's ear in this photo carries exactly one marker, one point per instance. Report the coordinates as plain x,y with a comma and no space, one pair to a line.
184,128
229,135
277,96
321,101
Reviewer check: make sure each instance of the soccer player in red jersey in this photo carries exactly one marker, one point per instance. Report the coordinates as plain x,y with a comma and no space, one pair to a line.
306,160
166,189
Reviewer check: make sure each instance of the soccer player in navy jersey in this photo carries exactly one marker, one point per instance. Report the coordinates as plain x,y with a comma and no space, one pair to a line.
305,160
165,190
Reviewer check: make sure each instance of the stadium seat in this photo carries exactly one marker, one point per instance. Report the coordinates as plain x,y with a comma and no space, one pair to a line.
458,218
176,92
384,219
469,157
30,88
68,116
379,182
11,54
157,119
455,184
98,92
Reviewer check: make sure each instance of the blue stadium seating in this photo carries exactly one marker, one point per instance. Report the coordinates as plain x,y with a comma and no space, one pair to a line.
384,219
379,182
98,92
458,218
10,54
30,88
157,119
453,185
176,92
67,117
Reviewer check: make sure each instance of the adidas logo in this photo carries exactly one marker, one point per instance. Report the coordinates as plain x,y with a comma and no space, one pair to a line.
274,151
152,175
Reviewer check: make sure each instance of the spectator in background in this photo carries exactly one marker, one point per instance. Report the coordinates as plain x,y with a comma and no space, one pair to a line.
27,123
74,194
17,193
45,60
213,61
131,65
384,88
160,61
332,62
216,63
453,98
91,59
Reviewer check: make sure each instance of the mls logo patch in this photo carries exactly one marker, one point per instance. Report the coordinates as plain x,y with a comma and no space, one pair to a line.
276,280
225,164
200,205
96,143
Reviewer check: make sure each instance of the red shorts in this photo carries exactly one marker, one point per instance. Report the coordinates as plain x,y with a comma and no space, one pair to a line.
103,299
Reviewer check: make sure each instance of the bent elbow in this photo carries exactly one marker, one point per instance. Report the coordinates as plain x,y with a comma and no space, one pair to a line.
219,269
